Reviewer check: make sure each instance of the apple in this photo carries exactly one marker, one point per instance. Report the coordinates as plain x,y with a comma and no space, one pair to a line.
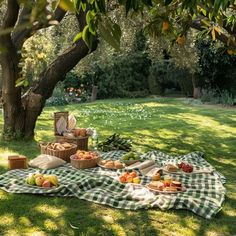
46,184
39,180
136,180
30,179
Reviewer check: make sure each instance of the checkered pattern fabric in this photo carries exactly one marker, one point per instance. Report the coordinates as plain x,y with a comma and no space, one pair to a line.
204,196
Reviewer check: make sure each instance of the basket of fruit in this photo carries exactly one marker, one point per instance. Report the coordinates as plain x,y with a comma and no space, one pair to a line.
130,158
84,159
61,150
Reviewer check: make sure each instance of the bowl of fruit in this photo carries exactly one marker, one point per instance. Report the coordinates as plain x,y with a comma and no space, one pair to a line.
84,159
130,158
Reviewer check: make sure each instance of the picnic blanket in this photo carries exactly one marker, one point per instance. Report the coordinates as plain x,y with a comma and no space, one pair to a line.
204,195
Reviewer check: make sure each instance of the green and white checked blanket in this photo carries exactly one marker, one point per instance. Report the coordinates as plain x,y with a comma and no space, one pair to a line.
204,196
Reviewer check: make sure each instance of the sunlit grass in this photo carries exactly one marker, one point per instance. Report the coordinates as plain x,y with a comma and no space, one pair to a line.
170,125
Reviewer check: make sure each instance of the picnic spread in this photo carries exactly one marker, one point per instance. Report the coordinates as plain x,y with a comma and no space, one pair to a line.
122,179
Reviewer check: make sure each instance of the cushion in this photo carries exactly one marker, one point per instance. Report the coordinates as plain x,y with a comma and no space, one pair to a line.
45,162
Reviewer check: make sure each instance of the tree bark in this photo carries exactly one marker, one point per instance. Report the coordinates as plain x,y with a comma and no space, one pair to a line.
196,88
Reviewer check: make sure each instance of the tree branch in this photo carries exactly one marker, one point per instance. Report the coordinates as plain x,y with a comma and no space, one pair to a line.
64,63
19,37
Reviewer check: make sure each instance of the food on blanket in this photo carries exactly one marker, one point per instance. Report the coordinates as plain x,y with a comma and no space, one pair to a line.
171,189
136,180
171,168
122,179
30,179
110,164
46,184
39,181
127,177
52,179
166,186
175,184
157,185
118,165
156,177
85,155
130,156
133,174
185,167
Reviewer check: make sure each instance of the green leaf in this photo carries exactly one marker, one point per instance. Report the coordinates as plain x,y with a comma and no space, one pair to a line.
217,5
21,82
87,37
66,5
77,37
127,6
111,33
77,5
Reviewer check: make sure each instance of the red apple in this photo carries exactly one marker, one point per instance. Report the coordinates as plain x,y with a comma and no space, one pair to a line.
46,184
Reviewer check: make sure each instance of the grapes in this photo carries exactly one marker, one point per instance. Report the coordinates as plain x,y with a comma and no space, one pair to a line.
185,167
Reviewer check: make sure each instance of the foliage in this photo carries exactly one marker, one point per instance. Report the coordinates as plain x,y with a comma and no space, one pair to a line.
216,66
58,97
165,74
217,96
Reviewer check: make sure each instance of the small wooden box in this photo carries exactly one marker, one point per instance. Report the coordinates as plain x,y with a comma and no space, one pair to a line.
17,162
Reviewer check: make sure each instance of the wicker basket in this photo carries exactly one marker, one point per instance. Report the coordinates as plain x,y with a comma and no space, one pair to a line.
57,116
63,154
81,142
84,164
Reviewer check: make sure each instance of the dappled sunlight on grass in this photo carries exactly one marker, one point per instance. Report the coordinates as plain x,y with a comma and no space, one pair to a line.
170,125
51,211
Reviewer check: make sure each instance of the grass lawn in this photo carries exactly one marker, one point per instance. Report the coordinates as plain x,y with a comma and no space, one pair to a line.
172,125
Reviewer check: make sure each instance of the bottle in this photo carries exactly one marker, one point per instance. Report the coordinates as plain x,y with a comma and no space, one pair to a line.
95,140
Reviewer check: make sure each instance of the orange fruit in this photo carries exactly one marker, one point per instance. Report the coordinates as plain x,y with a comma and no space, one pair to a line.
122,179
181,40
133,174
165,25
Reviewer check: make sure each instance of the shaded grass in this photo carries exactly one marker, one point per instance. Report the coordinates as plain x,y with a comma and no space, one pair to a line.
170,125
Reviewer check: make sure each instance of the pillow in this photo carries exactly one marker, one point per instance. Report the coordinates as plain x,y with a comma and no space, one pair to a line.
45,162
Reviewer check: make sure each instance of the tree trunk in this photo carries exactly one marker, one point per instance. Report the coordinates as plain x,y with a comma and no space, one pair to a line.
196,88
21,112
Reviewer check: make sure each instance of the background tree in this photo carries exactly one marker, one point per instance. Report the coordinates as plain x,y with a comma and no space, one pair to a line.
24,18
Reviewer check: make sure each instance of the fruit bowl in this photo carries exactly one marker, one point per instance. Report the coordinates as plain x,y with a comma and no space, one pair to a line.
84,159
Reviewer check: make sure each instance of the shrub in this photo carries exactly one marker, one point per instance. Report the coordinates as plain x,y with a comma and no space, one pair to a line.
58,97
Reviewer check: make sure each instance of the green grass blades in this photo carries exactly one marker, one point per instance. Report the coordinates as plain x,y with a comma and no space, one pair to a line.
171,125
